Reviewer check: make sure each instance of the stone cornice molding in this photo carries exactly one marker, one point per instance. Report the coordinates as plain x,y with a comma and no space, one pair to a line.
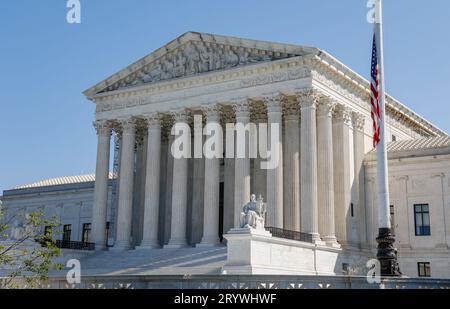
404,177
321,68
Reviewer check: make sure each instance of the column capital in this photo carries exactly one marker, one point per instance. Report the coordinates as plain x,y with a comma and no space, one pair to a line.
103,127
241,107
343,113
358,121
308,98
153,120
128,125
180,115
325,106
291,108
212,112
273,103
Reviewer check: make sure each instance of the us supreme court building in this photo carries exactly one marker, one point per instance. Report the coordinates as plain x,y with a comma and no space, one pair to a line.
144,208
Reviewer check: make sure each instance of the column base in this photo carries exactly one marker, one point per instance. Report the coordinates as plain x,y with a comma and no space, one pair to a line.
176,244
121,246
317,240
331,241
208,242
148,245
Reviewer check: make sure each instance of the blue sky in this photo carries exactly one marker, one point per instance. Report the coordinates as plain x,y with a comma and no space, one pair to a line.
45,63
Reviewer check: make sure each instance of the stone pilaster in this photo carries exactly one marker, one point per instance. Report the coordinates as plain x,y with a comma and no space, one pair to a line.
152,185
241,165
325,182
212,179
291,165
179,191
308,163
126,185
99,209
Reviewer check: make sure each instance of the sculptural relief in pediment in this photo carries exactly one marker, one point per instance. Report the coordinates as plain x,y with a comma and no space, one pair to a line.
195,58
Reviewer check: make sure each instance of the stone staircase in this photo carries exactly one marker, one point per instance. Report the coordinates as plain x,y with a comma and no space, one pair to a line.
186,261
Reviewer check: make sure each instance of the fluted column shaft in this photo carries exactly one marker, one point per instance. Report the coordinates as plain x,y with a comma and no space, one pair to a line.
99,209
152,185
343,157
212,179
178,225
358,183
275,174
126,186
308,187
325,181
241,165
291,163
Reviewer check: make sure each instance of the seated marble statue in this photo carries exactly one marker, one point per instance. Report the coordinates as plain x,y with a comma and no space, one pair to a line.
253,213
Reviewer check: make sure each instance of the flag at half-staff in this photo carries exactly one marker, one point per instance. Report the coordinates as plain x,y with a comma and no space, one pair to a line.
386,253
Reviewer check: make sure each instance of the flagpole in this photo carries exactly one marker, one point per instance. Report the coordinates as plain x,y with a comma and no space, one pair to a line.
386,253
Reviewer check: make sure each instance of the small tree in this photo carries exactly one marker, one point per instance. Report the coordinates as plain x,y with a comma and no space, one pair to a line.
21,260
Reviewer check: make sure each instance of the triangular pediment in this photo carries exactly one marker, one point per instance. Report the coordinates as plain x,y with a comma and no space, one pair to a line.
193,54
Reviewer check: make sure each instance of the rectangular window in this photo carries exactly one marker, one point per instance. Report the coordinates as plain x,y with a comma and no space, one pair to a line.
352,211
392,219
86,238
394,138
424,269
422,219
67,232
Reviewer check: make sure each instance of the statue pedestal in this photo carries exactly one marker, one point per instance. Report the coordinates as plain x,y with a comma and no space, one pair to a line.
257,252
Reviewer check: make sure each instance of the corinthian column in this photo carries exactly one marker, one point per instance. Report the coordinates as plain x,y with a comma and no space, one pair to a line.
179,183
308,162
152,185
212,177
343,161
241,165
291,163
101,185
325,181
275,173
126,186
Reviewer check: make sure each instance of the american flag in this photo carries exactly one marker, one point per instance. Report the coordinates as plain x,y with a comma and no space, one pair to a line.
375,94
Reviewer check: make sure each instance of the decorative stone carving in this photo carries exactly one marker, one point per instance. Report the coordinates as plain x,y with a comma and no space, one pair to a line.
253,214
273,103
102,127
308,98
194,58
343,113
326,106
291,107
358,121
127,124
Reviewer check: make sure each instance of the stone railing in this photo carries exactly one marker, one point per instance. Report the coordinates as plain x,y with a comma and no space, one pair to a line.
238,282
